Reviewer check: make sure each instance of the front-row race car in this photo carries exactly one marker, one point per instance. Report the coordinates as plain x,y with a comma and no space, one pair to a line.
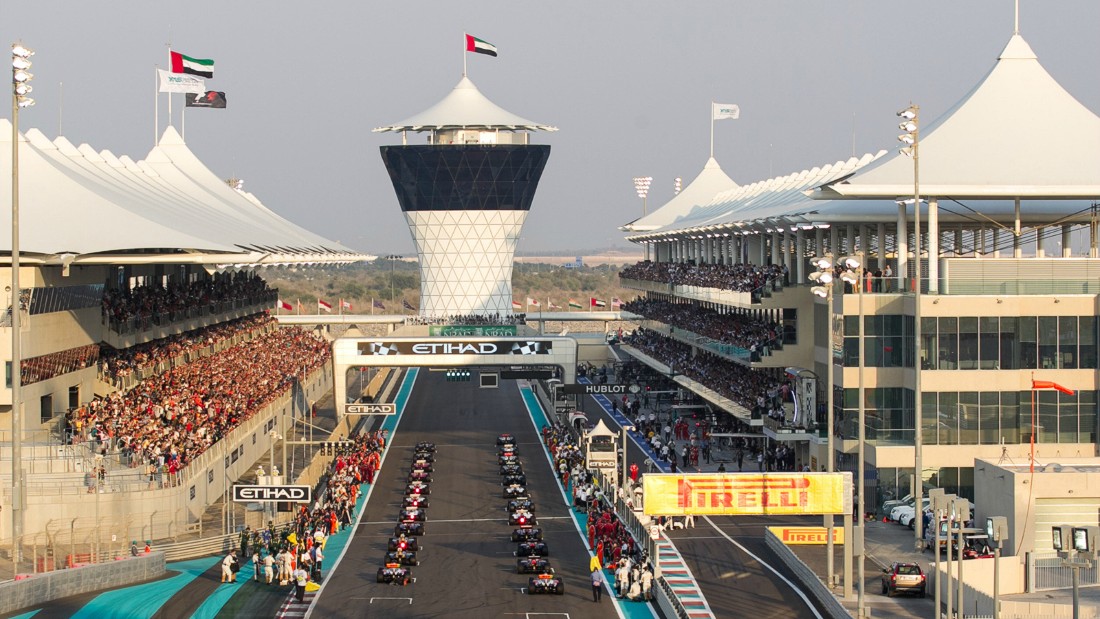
408,544
533,565
409,528
394,574
425,446
526,534
402,557
545,583
532,549
522,518
505,438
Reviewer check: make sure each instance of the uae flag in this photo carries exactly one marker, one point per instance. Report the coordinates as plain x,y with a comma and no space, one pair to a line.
573,303
284,305
324,305
477,46
597,303
203,67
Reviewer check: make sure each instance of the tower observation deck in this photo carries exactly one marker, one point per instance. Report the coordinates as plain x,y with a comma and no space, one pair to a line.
465,195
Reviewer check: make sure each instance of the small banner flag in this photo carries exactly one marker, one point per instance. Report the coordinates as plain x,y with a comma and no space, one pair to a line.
573,303
550,304
211,99
173,82
616,302
284,305
345,304
722,111
516,305
534,302
324,305
476,45
379,305
202,67
407,305
597,303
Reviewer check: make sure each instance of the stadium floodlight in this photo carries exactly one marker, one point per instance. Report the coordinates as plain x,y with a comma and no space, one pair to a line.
820,291
821,263
908,113
20,51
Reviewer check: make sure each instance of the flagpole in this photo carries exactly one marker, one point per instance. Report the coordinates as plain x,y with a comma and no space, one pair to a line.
712,129
169,94
156,105
463,54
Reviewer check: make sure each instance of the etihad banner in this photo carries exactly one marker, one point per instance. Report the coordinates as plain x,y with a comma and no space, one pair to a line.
747,494
807,536
474,347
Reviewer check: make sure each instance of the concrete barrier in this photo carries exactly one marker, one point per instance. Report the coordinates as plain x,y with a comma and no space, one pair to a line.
811,584
40,588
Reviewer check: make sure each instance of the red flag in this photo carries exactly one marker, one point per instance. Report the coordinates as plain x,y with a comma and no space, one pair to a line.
284,305
324,305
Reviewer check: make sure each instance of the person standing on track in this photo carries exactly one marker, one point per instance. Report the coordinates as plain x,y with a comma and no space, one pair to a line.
301,577
228,575
597,585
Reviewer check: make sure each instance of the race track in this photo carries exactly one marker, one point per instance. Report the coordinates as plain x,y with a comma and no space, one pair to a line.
467,568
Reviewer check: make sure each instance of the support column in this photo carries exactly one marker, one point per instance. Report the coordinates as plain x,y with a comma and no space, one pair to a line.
901,242
763,255
1017,250
800,256
933,246
881,234
958,242
1067,251
834,242
996,242
1040,243
777,239
1092,235
850,242
819,242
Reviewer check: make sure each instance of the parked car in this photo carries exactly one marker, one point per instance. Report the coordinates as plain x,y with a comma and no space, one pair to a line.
892,503
903,578
906,508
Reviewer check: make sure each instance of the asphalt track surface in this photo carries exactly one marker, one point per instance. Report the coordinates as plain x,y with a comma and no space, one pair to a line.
735,583
467,569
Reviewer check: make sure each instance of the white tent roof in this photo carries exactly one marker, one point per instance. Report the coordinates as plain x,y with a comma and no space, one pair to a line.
711,181
1017,134
97,207
466,107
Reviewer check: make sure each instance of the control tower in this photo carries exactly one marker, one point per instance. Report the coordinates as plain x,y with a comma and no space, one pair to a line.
465,195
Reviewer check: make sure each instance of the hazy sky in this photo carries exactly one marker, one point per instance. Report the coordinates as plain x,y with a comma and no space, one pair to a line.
629,84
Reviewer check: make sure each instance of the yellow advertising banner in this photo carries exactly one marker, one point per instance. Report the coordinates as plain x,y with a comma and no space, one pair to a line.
797,536
747,494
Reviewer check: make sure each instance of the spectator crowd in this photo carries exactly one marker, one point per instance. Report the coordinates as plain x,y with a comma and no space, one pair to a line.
736,277
154,301
169,419
738,329
494,319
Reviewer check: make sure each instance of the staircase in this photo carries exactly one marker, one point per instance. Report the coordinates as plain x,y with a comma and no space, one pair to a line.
680,582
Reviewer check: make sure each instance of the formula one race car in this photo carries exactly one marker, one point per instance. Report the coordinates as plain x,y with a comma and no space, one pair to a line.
394,574
425,446
424,455
415,501
505,438
522,518
512,491
545,583
511,469
521,503
533,549
527,534
508,458
413,515
403,543
423,476
418,488
409,528
421,464
514,479
533,565
402,558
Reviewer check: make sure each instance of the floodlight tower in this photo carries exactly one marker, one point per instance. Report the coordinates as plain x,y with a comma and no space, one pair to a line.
465,195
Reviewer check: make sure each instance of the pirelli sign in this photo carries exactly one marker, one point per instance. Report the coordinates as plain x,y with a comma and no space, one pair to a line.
807,536
747,494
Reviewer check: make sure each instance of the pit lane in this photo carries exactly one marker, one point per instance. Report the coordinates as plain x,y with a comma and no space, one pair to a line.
467,568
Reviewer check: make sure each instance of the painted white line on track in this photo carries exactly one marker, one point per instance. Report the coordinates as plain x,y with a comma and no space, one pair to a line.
790,584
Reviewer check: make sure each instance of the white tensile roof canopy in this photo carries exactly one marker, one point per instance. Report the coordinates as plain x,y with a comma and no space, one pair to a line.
466,107
710,182
1017,134
94,207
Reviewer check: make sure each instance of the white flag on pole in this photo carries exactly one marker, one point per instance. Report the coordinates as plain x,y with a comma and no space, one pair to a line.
722,111
180,82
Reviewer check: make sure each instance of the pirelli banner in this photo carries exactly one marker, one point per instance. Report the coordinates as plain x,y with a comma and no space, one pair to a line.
747,494
807,536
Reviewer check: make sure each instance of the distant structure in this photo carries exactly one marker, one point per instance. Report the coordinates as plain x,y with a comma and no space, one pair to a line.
465,195
576,264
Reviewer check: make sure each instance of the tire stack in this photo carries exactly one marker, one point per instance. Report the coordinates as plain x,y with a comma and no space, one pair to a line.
531,552
402,549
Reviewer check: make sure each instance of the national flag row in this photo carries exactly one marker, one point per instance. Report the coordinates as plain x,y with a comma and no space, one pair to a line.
325,306
573,303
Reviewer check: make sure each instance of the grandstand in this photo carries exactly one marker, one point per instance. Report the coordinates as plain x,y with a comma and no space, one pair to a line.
151,376
1006,293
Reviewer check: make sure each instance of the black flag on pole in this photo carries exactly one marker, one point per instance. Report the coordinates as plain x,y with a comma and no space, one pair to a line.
210,98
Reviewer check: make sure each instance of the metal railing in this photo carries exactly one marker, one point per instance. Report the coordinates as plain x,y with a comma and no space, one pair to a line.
1045,571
